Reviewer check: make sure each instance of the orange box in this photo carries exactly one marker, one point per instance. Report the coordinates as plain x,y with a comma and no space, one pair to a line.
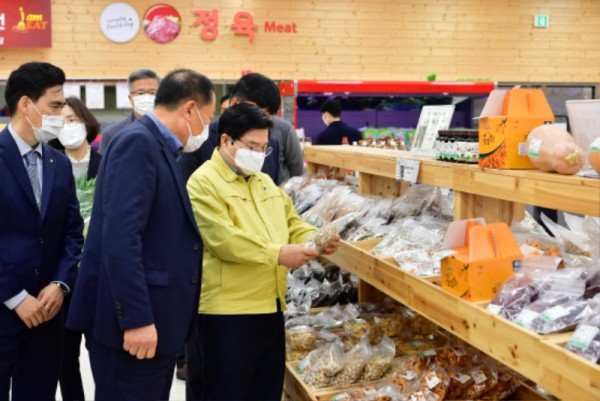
486,256
506,119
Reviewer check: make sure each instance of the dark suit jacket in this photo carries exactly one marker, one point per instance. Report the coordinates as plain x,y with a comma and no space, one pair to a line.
111,131
190,162
36,247
143,254
336,131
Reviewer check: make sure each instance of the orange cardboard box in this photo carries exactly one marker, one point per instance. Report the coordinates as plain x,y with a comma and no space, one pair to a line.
506,119
486,256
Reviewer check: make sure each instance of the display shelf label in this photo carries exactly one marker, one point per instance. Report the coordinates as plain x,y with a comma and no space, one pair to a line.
583,336
407,170
431,120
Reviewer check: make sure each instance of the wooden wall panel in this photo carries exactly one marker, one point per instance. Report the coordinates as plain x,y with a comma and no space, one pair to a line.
342,39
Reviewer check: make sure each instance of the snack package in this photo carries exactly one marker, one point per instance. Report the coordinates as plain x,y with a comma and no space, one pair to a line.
407,369
328,361
379,360
586,338
460,381
320,238
324,210
451,356
354,363
391,325
485,378
561,317
432,385
508,383
517,292
301,337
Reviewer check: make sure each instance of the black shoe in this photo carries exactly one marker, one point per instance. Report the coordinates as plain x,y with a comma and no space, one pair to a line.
181,372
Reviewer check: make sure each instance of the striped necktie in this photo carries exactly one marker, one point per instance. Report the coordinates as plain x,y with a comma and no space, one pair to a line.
34,176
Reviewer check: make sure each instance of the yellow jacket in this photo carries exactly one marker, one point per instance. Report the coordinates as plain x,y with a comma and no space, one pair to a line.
243,225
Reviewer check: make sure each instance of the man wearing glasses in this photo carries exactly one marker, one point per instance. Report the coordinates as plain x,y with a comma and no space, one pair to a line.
143,85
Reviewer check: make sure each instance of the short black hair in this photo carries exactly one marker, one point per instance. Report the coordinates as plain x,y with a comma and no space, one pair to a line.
141,74
92,126
258,89
31,80
182,85
237,120
332,107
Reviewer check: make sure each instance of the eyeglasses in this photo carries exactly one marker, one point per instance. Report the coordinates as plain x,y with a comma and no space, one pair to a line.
143,92
267,150
72,120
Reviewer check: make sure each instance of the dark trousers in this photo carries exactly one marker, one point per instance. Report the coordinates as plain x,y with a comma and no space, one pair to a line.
242,357
71,385
120,376
32,360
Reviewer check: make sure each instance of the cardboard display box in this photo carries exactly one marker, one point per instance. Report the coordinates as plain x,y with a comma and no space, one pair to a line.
506,119
486,256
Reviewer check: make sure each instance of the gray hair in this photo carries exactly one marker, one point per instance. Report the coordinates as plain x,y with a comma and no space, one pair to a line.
141,74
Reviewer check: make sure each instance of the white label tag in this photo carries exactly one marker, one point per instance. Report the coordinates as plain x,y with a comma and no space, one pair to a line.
409,375
526,317
554,313
461,378
432,381
407,170
480,377
534,148
495,309
583,336
429,352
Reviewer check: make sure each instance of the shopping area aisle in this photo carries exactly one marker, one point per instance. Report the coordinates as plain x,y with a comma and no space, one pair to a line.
177,389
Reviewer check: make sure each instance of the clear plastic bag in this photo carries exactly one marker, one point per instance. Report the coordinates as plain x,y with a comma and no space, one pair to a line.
516,293
586,338
319,239
379,361
324,210
561,317
328,361
354,363
301,337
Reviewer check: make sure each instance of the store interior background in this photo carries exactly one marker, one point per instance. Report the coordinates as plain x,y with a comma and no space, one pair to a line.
375,40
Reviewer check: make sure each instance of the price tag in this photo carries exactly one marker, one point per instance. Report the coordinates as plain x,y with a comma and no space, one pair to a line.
432,381
407,170
554,313
583,336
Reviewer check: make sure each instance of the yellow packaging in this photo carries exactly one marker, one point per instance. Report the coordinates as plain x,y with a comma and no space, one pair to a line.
488,257
507,118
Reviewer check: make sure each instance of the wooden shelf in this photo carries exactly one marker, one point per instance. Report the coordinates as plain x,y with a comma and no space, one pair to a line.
568,193
497,195
538,358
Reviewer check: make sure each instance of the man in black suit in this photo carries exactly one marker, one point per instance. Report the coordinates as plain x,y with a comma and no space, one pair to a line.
40,234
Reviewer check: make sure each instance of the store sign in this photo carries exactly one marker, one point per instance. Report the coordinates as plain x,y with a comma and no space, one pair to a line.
119,22
25,24
162,23
243,24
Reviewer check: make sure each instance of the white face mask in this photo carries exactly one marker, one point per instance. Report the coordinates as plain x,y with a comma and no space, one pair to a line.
249,162
51,126
324,120
195,141
72,135
143,104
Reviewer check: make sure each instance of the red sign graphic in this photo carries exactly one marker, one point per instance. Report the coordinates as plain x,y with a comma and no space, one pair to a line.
25,24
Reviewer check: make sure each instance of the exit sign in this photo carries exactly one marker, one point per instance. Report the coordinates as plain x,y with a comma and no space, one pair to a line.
541,21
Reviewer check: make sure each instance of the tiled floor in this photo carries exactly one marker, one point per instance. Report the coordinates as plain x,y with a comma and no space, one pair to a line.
177,390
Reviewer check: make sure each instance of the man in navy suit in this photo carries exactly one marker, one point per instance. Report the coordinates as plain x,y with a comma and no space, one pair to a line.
40,234
138,287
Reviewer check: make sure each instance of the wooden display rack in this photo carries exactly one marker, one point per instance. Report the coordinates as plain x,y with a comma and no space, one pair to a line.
496,195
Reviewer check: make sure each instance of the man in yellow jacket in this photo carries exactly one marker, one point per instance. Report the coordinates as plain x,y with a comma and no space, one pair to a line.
252,235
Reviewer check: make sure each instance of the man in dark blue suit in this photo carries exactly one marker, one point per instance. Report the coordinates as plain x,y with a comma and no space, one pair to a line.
251,88
40,234
137,292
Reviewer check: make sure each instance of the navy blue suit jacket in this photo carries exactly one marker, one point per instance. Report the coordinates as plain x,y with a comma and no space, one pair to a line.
36,246
190,162
143,253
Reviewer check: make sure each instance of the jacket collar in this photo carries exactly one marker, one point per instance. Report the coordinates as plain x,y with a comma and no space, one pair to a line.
223,168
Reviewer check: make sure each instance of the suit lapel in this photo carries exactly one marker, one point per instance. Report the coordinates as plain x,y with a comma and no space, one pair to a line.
49,167
175,170
10,152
